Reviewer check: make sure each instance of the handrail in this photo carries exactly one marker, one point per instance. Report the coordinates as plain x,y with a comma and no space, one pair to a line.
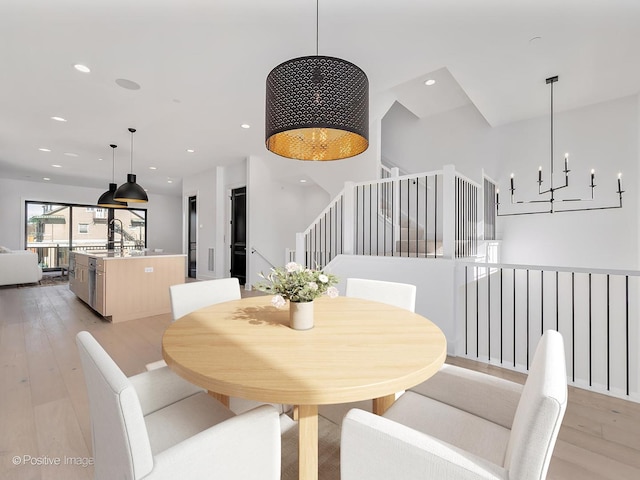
402,177
513,266
467,179
255,250
324,212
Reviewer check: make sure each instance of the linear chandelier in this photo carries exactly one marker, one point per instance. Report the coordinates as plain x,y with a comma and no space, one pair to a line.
550,193
317,108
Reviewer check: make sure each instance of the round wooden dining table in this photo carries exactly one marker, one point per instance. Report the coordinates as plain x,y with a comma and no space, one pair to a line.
357,350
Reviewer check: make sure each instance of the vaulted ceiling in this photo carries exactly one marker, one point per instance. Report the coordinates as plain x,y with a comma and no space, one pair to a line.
201,67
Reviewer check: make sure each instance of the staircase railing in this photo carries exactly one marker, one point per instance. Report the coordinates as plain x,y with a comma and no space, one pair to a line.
504,309
432,214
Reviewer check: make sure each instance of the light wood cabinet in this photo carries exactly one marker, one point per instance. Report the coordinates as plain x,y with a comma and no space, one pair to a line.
99,305
79,283
129,287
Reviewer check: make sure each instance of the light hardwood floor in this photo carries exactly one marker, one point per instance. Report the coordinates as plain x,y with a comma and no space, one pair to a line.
44,411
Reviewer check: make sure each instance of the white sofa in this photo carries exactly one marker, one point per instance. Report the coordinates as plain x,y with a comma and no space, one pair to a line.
19,266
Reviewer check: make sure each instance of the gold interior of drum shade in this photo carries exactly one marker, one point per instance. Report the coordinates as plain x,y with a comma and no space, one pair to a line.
318,144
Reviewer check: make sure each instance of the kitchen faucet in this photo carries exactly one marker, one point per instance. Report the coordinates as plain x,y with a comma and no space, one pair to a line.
112,227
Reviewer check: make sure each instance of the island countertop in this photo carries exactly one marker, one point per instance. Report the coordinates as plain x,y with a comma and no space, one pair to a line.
107,255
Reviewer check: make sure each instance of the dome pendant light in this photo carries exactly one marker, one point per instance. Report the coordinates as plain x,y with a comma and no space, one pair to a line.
106,199
131,191
317,108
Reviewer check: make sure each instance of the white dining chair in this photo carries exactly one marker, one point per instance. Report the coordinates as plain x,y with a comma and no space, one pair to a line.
189,297
463,424
157,426
401,295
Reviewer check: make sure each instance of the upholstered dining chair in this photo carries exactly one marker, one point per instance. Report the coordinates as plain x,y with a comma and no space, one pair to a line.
462,424
188,297
402,295
157,426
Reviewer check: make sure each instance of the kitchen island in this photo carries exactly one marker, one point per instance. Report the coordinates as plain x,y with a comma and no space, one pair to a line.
125,286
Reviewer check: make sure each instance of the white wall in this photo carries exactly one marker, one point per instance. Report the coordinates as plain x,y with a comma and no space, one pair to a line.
203,187
163,229
277,210
604,136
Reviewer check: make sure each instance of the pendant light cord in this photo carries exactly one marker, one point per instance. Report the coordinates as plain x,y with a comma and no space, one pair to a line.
317,26
132,130
113,163
552,131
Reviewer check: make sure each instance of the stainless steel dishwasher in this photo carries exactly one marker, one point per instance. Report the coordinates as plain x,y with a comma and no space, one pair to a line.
92,282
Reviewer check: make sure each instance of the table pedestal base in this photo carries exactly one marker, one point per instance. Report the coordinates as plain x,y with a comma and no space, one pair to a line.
308,442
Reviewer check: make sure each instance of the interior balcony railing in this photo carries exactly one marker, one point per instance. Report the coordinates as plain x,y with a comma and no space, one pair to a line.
502,311
428,215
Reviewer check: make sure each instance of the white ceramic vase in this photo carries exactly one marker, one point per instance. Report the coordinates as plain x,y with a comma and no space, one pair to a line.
301,315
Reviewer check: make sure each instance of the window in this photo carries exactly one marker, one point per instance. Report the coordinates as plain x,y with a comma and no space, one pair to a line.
52,229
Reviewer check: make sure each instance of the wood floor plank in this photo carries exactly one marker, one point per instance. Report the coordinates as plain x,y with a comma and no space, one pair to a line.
611,449
604,467
17,422
60,438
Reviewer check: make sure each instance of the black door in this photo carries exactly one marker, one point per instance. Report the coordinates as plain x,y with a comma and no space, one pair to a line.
239,234
193,228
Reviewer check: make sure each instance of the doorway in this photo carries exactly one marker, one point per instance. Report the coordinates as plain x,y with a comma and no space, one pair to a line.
192,240
238,244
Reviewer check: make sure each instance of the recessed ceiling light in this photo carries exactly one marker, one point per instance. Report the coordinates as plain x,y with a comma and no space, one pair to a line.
245,125
169,181
70,154
46,178
429,82
59,119
190,150
303,181
42,149
82,68
56,166
128,84
99,159
153,168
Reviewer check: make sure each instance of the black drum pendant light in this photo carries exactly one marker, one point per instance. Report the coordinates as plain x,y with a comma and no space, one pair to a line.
131,191
106,199
317,108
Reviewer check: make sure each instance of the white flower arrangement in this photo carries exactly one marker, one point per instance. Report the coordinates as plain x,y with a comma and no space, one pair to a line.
296,283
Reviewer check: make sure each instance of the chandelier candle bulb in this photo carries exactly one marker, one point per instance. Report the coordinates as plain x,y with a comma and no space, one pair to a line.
593,176
540,174
620,183
566,163
512,183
